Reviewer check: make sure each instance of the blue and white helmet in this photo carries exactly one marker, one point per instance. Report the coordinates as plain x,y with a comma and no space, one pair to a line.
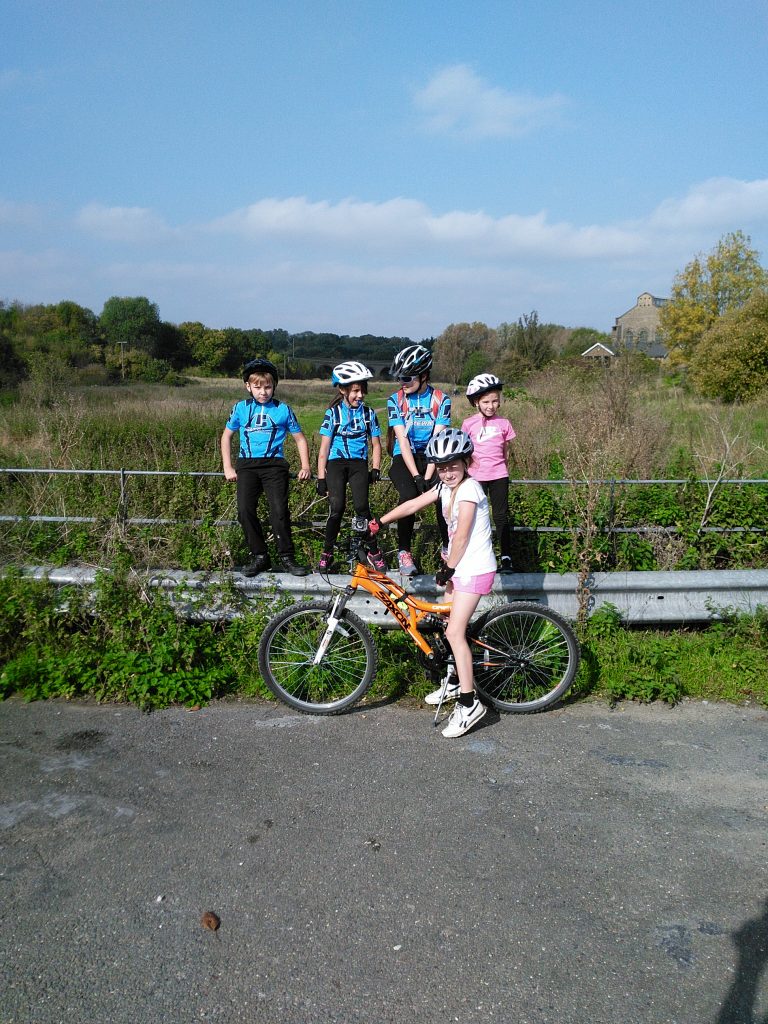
350,373
447,446
481,385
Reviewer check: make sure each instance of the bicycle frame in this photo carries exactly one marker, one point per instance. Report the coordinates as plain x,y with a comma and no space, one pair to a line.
524,656
407,609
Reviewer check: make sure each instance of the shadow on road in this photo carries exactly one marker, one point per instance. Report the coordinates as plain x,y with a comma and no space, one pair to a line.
751,941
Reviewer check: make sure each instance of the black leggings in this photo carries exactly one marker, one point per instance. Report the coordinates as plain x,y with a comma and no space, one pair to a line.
498,495
401,477
339,473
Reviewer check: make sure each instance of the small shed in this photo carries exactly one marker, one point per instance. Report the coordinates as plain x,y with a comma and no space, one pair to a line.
598,352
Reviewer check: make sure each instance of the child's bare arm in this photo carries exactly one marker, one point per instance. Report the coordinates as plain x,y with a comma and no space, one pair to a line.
322,457
375,453
226,454
410,507
305,473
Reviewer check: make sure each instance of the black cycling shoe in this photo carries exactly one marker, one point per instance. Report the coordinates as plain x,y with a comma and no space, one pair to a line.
261,563
288,565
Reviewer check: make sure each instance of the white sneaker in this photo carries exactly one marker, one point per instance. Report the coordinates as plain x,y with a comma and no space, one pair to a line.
448,689
463,719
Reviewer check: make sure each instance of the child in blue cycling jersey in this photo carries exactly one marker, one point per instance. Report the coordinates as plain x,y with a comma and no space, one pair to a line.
347,426
261,468
416,412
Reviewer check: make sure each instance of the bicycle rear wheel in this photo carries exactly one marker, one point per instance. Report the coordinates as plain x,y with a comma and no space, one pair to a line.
287,650
525,657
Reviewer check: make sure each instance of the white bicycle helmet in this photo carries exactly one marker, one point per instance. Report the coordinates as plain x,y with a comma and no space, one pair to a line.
481,385
447,446
350,373
411,361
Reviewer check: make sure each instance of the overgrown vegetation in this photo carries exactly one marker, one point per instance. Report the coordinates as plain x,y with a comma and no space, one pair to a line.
125,642
726,661
589,425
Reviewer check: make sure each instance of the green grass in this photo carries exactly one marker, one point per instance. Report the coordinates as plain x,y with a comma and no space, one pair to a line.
566,423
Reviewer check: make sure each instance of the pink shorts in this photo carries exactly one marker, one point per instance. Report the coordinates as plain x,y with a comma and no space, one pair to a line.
475,584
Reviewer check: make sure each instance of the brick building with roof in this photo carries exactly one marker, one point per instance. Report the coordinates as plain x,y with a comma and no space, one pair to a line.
637,330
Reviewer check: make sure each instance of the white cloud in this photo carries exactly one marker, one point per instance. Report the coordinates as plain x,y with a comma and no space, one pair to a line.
457,102
21,214
355,266
133,224
406,224
717,203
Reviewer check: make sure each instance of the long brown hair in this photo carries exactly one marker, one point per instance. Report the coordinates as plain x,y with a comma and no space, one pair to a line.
466,460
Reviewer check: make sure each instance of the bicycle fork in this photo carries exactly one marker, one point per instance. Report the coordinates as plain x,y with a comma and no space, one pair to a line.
334,621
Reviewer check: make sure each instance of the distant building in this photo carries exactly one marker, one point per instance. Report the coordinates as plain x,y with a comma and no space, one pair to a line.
599,353
637,330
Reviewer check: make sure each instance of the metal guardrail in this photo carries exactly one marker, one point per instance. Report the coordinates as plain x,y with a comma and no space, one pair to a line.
642,598
611,483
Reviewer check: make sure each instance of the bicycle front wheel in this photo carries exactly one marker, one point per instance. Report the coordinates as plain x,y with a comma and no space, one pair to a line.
525,657
287,651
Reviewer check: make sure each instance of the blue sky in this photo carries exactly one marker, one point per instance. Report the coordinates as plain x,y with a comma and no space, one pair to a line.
367,167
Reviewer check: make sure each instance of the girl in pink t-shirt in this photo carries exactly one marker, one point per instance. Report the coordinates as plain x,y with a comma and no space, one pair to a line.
491,434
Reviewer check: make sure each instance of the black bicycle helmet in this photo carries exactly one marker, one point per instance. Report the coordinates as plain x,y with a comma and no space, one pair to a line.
260,365
447,446
481,385
411,361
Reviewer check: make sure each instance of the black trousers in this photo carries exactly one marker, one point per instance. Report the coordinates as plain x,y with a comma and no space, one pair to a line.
401,477
498,496
270,478
339,473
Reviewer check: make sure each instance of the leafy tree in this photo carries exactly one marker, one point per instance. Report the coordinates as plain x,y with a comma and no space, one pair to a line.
528,345
207,347
707,288
731,359
131,322
476,362
456,343
12,366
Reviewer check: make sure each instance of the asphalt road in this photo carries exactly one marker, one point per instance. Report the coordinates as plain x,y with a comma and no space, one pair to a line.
584,865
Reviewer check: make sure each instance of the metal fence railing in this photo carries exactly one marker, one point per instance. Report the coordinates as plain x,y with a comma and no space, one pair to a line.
612,485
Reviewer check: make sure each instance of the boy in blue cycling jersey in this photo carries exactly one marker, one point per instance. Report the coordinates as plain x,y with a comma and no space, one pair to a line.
347,426
261,468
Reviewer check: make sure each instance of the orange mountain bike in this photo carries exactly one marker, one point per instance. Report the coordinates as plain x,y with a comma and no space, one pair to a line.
319,657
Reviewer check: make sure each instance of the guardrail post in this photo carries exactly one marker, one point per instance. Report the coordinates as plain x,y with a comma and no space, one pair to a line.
122,507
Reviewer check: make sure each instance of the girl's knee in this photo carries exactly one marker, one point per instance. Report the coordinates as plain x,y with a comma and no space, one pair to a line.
454,634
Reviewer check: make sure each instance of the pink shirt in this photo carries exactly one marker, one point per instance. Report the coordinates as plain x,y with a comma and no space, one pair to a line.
489,437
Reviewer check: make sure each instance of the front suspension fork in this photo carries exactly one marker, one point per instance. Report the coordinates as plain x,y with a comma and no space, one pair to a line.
334,618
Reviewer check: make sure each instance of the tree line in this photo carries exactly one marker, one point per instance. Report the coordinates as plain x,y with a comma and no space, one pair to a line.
129,341
714,326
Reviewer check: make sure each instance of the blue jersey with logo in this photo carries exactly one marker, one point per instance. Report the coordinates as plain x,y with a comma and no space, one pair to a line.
262,428
349,430
423,415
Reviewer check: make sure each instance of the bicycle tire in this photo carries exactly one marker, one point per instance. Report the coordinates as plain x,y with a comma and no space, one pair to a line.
526,657
288,646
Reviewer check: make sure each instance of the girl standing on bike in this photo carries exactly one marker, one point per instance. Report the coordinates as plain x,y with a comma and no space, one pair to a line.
347,426
470,565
